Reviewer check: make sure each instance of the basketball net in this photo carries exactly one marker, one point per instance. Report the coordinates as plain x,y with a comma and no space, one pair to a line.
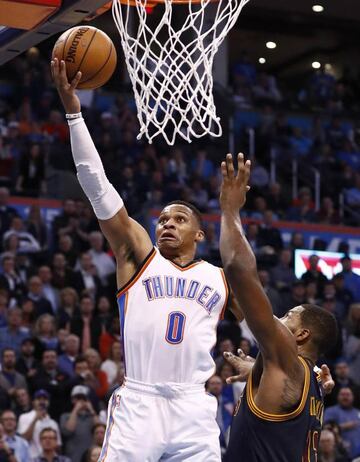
170,65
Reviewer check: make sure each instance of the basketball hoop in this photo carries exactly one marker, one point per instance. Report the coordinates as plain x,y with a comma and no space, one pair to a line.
170,65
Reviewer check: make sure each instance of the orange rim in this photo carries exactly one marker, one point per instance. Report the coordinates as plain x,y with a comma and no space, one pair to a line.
152,3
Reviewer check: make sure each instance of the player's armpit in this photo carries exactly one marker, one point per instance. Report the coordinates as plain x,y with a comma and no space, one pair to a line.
122,231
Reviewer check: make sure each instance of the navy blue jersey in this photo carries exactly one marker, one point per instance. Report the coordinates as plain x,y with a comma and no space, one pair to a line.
257,436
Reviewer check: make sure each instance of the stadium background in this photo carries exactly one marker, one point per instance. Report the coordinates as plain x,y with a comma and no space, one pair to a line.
294,108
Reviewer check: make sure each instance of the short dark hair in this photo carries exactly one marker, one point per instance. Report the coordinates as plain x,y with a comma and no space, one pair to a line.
323,327
6,349
48,429
192,207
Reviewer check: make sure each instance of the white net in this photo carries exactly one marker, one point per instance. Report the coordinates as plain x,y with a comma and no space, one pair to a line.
170,64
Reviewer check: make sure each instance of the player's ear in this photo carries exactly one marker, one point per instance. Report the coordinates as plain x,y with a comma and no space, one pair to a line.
302,336
200,236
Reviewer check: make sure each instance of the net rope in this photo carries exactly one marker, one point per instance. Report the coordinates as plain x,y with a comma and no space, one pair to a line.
171,75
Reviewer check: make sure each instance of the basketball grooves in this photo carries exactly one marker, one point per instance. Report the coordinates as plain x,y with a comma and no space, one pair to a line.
82,59
64,46
102,67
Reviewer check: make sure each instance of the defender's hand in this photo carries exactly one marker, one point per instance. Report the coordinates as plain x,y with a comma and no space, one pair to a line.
326,379
65,89
234,187
242,364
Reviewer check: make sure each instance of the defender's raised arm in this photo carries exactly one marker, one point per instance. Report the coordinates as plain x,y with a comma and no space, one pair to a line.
240,263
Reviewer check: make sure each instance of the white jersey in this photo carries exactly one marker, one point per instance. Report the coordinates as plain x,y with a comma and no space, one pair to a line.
168,318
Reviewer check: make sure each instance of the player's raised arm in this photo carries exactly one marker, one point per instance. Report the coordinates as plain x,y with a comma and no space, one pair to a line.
240,266
124,234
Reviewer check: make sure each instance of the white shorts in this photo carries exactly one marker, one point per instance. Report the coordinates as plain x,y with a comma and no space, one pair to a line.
165,422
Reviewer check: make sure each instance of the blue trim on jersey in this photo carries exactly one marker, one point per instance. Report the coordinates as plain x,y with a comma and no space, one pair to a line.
121,301
109,425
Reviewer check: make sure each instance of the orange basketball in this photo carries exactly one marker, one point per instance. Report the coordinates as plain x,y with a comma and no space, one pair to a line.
89,50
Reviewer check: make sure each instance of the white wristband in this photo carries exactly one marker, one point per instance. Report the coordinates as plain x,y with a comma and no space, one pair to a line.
77,115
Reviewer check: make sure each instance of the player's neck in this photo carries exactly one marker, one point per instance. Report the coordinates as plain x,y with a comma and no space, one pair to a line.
180,258
308,354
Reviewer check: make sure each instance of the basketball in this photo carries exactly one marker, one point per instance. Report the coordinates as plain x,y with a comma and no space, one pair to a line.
88,50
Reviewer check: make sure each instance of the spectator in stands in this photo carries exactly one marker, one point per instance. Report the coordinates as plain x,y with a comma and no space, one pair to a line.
48,290
61,222
94,362
93,454
36,226
49,447
351,279
98,434
110,365
67,248
214,386
28,314
201,166
327,214
303,208
32,423
68,307
295,298
62,274
265,89
86,277
260,207
313,274
282,275
259,178
22,401
104,264
54,381
31,179
342,294
45,334
328,451
77,425
66,360
10,379
6,453
252,235
268,234
352,347
4,305
277,200
348,417
352,199
342,379
16,443
272,293
7,213
26,363
300,144
35,294
104,312
85,325
13,335
10,280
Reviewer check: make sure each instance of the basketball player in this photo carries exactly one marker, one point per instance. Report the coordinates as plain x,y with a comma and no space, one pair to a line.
169,307
281,411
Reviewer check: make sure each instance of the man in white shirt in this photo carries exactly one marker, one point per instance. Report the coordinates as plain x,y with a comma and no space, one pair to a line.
32,423
105,265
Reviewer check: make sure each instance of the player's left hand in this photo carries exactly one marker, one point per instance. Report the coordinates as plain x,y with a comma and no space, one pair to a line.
326,379
242,365
234,186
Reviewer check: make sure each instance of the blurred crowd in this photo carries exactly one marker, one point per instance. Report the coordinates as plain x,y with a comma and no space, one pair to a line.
60,349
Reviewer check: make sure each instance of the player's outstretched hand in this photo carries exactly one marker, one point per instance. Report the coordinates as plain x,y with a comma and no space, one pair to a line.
65,88
326,379
242,365
234,184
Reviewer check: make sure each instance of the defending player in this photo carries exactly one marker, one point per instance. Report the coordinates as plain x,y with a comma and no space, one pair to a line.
169,307
280,415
